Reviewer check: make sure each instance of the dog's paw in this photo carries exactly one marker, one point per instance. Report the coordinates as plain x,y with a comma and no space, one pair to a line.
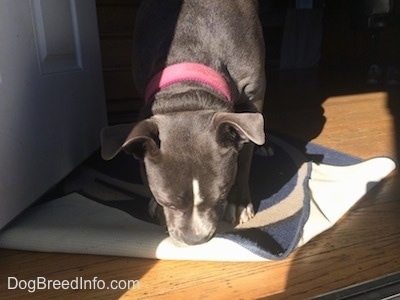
156,211
153,208
238,214
245,213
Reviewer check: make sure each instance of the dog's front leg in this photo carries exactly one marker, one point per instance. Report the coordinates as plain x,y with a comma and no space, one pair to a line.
156,212
240,208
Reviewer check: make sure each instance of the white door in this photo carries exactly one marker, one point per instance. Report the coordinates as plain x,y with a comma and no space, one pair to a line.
52,104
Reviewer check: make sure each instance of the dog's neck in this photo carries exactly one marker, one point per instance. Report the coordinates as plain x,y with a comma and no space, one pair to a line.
187,72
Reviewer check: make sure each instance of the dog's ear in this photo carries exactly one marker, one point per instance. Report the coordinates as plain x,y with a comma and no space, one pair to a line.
137,139
239,128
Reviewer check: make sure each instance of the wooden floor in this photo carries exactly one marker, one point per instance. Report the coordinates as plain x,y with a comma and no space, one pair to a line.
332,108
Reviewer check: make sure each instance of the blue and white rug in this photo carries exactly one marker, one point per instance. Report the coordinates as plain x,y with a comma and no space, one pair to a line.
102,208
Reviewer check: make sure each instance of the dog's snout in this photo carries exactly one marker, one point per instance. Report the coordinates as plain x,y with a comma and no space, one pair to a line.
190,239
196,240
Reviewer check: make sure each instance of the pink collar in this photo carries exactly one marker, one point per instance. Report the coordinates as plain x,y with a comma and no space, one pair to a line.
187,72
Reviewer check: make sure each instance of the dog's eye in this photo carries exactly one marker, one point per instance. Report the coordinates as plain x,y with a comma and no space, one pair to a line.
170,206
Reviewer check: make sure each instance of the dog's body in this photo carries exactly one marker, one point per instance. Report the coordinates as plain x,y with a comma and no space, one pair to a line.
193,130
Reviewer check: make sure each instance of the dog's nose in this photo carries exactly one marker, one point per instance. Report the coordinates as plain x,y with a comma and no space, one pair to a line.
191,239
196,239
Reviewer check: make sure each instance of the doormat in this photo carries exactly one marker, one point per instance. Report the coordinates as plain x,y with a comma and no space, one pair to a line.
101,208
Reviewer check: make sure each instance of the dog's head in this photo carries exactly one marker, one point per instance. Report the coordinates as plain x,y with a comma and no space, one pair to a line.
190,161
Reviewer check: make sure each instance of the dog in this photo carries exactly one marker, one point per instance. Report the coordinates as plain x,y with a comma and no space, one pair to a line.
199,64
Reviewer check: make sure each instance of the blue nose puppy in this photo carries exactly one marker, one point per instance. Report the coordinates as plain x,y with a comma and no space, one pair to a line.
199,65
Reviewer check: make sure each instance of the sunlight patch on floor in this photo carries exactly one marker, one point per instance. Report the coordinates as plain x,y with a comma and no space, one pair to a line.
357,116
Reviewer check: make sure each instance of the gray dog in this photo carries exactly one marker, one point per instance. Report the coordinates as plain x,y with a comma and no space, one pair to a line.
199,65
